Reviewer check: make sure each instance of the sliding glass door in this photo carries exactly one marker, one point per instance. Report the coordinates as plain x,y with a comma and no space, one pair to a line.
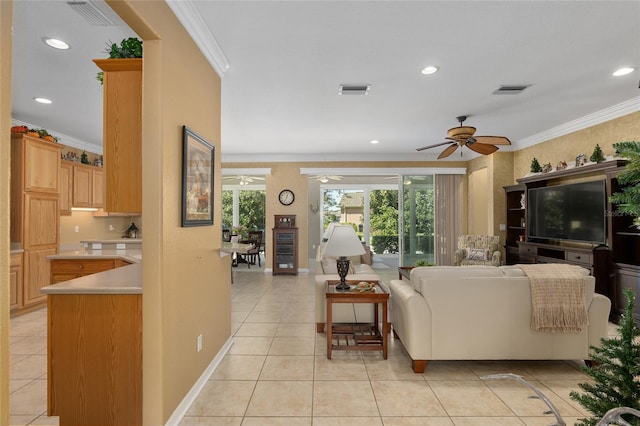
417,206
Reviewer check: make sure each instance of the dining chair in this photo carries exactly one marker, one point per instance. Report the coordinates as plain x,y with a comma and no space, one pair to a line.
250,257
226,235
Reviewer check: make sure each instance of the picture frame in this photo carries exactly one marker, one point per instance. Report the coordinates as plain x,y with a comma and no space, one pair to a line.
197,179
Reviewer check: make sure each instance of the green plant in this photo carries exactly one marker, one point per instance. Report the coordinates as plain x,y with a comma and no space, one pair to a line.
616,371
598,155
424,262
535,166
628,199
84,159
129,48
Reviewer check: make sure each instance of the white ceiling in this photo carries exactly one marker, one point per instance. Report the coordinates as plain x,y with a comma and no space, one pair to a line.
280,94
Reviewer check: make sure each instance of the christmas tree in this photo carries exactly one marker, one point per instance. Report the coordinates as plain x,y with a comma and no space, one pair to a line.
535,166
597,155
615,373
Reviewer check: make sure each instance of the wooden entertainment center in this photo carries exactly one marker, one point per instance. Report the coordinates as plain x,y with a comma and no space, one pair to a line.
615,266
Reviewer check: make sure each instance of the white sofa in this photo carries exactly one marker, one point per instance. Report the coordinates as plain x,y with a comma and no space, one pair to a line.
483,313
342,312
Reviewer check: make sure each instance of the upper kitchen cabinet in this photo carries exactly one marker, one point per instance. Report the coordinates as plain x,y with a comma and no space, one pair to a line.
35,163
122,137
88,186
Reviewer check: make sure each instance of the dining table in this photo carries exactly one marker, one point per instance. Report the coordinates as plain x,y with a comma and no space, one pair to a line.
233,248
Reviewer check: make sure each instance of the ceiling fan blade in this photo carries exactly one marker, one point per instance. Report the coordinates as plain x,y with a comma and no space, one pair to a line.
432,146
493,140
448,151
482,148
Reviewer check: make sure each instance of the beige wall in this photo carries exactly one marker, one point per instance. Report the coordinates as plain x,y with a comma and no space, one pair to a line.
93,228
5,147
583,141
186,283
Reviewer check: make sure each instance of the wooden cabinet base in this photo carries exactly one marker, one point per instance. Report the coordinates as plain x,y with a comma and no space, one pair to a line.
95,359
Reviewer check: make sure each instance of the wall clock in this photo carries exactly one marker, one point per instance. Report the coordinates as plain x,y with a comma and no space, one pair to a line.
286,197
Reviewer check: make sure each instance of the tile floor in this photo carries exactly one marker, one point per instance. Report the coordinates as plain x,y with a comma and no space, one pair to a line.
277,373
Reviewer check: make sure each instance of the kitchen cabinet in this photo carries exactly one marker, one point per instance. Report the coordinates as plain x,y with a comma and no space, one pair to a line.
69,269
66,187
122,134
88,186
95,359
15,280
35,212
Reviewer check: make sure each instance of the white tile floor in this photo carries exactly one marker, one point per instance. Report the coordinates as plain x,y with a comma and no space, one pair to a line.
277,373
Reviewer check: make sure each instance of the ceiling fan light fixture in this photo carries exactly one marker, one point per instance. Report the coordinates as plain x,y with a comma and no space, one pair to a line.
430,69
623,71
324,179
56,43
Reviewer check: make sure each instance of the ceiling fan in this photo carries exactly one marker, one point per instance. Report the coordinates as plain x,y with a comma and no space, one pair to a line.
463,136
325,178
244,179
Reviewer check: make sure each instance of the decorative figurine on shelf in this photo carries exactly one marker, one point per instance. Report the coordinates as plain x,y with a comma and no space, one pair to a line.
535,166
547,168
561,165
523,201
598,155
581,160
84,159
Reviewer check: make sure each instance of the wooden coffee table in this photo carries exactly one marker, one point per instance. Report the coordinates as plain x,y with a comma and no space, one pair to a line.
357,336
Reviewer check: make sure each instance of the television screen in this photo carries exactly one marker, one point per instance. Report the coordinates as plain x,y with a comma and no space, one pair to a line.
573,212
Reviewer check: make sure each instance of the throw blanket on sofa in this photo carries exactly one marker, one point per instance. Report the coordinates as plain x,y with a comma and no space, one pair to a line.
557,298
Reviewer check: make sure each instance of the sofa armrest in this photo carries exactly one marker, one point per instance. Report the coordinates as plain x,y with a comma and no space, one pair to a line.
598,319
411,318
459,255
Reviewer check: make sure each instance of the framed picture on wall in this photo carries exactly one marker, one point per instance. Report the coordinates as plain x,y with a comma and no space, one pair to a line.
197,179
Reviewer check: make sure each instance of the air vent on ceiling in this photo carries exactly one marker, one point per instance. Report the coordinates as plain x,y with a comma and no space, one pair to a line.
512,89
94,14
354,89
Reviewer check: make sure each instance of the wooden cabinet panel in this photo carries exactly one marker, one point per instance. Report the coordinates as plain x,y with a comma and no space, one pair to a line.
37,272
42,166
66,188
15,281
82,186
95,367
122,106
285,251
42,220
98,188
68,269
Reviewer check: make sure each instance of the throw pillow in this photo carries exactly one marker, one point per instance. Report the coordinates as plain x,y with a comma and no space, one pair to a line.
476,254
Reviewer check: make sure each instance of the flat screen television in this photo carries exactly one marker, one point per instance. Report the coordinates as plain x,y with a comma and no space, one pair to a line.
571,212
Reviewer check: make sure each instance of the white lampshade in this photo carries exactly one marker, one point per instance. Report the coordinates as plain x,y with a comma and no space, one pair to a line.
343,241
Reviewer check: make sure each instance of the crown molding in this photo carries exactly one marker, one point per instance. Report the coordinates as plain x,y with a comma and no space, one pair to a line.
598,117
191,20
63,139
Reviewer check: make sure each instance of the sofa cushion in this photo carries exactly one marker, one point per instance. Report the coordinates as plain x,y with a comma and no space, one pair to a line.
434,272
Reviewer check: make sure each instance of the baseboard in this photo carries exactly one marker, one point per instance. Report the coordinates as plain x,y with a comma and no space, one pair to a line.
195,390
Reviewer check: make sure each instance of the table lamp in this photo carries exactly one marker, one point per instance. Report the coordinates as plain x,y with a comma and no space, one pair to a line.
341,243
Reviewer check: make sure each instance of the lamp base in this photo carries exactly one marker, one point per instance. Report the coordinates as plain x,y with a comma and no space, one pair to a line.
342,264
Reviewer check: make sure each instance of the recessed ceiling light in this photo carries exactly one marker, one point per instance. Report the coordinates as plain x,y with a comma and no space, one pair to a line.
623,71
43,100
56,43
431,69
375,141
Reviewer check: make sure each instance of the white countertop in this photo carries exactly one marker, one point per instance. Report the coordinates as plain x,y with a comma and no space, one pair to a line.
114,241
130,255
124,280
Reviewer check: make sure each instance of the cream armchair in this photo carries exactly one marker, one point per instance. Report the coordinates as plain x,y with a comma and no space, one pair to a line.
478,250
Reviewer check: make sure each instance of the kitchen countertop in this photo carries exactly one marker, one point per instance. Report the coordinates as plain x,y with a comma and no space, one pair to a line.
130,255
124,280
